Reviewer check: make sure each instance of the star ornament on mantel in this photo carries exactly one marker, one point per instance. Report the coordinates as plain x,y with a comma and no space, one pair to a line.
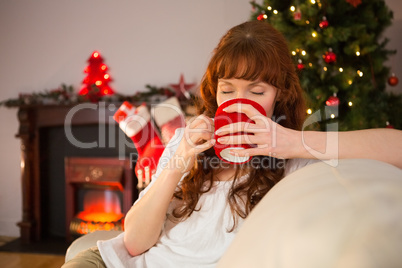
182,88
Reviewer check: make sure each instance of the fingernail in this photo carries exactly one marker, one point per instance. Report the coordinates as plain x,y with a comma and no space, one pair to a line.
225,109
213,141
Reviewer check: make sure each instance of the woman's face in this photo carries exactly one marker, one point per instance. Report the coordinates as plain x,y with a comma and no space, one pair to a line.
260,92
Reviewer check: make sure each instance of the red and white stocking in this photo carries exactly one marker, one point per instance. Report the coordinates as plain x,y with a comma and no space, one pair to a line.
136,123
168,116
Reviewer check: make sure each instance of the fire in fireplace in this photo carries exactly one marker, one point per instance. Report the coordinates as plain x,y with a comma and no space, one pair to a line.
101,210
98,194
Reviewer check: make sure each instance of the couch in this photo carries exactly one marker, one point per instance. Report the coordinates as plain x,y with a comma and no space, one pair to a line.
347,215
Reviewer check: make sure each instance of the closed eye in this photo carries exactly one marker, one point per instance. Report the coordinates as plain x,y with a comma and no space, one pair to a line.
226,92
258,93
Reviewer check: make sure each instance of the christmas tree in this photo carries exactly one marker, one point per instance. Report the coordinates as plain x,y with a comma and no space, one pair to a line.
340,54
96,83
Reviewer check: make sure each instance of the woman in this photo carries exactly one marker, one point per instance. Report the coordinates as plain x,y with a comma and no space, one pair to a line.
193,208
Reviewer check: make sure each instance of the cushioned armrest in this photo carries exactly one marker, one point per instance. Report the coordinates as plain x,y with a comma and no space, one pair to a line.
87,241
323,216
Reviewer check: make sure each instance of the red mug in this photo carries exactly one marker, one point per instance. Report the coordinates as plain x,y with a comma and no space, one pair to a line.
222,119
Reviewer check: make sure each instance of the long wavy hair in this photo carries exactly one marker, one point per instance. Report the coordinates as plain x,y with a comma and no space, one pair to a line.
253,51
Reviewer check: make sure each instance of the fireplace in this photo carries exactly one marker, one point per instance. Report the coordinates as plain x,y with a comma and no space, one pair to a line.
44,131
98,194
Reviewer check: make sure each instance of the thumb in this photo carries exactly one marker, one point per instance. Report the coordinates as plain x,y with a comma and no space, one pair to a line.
204,146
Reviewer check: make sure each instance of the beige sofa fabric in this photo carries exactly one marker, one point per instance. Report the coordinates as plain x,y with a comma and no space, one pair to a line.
88,241
323,216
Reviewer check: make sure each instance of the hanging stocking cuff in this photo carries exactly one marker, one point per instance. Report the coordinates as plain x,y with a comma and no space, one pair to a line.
169,116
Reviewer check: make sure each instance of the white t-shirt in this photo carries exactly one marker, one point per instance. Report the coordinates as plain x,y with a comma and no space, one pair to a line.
199,241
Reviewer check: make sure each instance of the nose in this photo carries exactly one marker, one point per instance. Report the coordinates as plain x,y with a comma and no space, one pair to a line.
241,94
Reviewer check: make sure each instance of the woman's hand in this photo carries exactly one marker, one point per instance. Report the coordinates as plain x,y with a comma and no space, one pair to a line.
198,137
146,218
268,137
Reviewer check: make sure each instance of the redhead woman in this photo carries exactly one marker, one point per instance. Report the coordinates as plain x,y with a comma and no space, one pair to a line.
195,204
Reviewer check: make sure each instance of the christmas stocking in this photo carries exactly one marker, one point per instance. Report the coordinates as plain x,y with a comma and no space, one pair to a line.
136,123
168,116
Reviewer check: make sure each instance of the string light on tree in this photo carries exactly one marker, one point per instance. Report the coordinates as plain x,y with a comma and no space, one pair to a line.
355,64
314,34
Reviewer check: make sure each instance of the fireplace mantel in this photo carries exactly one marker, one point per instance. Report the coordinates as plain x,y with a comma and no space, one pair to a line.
31,119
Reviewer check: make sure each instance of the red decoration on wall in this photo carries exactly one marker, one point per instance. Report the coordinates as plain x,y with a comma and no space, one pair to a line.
182,88
96,83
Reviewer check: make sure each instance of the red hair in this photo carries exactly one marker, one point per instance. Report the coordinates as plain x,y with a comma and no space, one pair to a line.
255,51
252,51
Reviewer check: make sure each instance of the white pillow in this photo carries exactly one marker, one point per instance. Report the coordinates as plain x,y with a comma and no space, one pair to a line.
321,216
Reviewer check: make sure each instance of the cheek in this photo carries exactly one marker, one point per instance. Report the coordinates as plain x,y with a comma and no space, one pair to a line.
220,99
269,106
270,110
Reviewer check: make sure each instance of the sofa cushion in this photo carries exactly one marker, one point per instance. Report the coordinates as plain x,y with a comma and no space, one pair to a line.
322,216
